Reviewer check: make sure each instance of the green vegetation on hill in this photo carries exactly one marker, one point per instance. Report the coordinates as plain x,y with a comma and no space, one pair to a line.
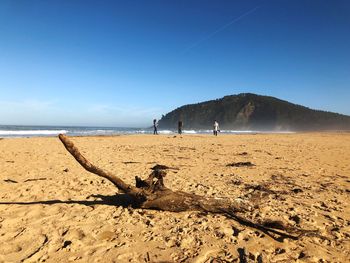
253,112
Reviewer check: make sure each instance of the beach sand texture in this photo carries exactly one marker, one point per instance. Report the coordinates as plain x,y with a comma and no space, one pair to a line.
52,210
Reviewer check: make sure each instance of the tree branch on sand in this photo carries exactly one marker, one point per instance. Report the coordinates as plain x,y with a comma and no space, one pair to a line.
151,193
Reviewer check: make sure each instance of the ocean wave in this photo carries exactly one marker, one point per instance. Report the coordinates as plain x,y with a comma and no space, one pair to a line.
32,132
165,132
92,132
189,131
45,131
238,131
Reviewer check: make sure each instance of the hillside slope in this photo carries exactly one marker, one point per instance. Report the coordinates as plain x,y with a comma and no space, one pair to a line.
253,112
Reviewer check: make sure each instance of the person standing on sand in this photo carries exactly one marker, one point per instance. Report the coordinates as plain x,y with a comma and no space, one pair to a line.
155,125
216,128
179,127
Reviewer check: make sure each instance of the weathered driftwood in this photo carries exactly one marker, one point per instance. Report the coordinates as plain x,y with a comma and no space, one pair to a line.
151,193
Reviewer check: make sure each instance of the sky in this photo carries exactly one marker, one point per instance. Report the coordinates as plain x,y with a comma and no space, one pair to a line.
124,63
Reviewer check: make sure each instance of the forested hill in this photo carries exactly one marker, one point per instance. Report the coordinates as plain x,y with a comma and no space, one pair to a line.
248,111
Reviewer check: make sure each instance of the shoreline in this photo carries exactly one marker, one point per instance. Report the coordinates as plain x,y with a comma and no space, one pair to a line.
175,134
52,131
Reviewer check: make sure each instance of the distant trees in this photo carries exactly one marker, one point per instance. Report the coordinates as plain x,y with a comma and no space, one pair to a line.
256,112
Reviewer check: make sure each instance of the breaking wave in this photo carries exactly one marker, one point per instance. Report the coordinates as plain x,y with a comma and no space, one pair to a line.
31,132
45,131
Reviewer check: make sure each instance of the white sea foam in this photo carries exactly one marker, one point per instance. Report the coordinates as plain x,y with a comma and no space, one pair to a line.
165,132
31,132
34,131
189,131
94,132
235,131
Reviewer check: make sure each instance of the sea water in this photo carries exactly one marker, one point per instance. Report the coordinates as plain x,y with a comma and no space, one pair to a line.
47,131
44,131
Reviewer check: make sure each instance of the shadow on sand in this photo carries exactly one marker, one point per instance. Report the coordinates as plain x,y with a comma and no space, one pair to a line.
112,200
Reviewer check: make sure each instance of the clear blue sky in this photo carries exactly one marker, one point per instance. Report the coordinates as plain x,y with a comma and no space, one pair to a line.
123,63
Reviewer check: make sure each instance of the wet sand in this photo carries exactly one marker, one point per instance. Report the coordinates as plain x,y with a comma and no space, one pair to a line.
52,210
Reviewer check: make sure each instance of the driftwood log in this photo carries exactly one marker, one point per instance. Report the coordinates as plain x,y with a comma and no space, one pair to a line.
151,193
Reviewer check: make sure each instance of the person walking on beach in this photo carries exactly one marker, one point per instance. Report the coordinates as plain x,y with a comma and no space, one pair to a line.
155,125
179,127
216,128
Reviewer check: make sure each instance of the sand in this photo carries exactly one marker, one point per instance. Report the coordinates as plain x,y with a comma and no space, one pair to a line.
52,210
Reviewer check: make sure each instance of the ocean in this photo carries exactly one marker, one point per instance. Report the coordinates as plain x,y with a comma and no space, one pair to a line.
12,131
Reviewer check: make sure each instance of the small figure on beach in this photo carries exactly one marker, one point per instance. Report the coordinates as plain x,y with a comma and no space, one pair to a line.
179,127
216,128
155,125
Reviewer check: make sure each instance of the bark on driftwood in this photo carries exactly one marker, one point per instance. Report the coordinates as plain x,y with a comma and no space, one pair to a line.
151,193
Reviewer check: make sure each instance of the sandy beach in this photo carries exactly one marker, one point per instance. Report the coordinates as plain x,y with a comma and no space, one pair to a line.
52,210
